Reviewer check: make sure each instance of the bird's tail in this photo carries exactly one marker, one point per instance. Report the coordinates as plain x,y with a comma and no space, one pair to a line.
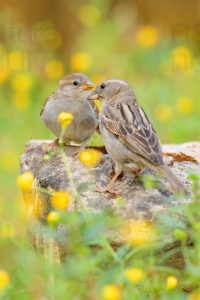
176,185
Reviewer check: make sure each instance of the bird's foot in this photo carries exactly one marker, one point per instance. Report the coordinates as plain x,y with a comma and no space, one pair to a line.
77,153
108,189
138,172
82,147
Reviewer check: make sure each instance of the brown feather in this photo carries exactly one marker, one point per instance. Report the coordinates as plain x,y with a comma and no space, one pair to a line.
130,124
45,103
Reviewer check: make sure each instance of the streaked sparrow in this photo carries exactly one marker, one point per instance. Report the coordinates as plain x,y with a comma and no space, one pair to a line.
129,136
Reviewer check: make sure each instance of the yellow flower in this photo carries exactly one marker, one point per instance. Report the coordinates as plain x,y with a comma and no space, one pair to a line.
4,279
17,60
22,82
80,61
98,104
171,282
134,275
185,105
90,157
89,15
4,74
25,181
182,58
138,233
65,118
147,37
52,39
21,100
111,292
194,295
53,218
163,112
60,200
54,69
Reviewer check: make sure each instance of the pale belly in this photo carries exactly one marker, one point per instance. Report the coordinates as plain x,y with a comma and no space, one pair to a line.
80,129
119,152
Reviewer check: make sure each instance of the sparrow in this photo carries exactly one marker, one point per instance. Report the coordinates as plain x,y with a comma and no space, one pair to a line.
128,134
71,96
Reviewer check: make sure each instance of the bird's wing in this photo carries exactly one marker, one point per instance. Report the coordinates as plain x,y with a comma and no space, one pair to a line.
46,102
131,125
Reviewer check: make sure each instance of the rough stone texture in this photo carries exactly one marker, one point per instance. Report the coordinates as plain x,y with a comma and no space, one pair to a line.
139,203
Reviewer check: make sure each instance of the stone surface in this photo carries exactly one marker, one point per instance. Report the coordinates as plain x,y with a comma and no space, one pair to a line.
138,202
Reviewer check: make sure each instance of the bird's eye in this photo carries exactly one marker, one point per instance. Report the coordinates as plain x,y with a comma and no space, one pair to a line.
102,86
75,82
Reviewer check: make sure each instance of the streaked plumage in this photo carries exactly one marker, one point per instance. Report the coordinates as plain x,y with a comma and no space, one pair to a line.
129,136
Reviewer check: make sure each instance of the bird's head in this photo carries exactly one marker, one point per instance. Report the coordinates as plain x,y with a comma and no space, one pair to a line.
76,83
108,89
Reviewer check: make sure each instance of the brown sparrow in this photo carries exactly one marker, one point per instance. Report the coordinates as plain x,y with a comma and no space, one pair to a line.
71,96
129,136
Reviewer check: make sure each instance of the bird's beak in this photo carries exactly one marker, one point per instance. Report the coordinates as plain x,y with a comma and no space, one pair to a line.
94,96
87,86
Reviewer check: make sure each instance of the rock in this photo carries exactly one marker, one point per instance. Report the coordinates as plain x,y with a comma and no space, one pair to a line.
135,201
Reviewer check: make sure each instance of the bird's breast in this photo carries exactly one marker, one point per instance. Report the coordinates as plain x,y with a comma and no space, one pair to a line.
84,122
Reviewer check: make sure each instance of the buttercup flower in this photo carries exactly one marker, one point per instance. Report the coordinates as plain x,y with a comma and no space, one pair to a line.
80,61
163,112
89,14
138,233
53,218
111,292
90,157
60,200
185,105
25,181
182,58
17,60
171,282
147,37
4,279
54,69
22,82
65,118
134,275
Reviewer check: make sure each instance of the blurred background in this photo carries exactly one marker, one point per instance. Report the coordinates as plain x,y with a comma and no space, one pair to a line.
152,44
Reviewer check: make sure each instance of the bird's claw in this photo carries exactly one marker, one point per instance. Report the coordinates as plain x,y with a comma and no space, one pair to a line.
107,189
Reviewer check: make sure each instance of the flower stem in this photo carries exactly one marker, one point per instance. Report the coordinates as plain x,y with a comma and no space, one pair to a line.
70,176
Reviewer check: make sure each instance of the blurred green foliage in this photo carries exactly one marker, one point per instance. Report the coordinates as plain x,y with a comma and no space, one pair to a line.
140,267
